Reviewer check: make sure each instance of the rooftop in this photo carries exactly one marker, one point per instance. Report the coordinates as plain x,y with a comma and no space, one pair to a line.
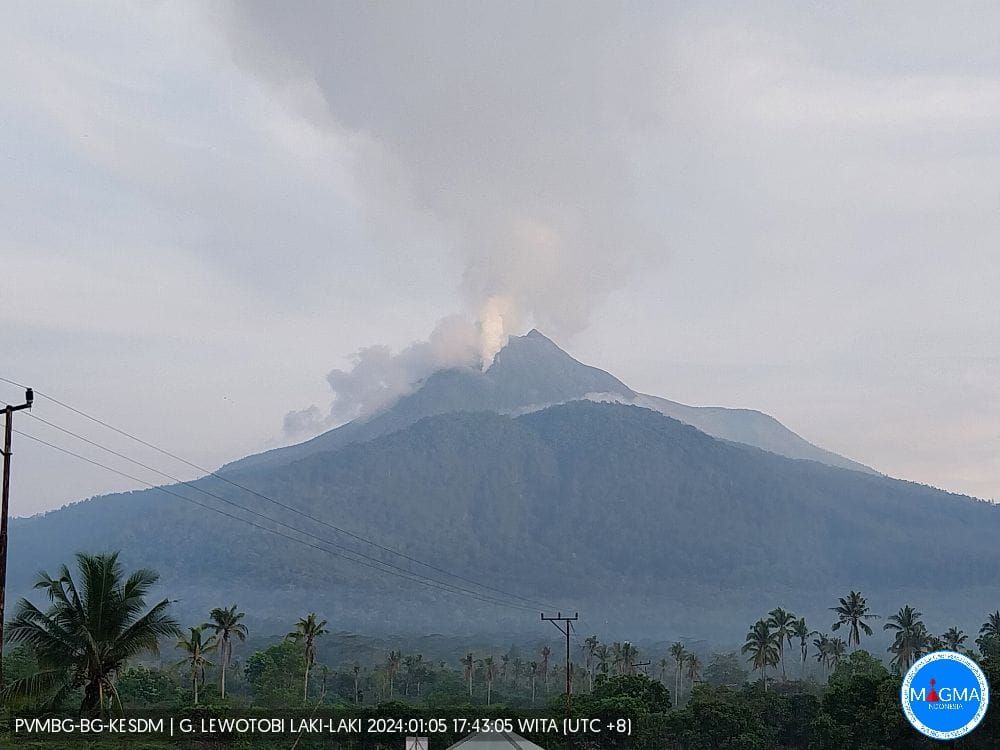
495,741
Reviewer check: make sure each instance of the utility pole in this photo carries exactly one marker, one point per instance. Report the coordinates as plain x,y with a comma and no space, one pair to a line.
565,626
29,397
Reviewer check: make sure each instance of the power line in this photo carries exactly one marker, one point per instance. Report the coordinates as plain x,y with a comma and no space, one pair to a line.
252,491
566,628
431,583
9,410
249,510
449,588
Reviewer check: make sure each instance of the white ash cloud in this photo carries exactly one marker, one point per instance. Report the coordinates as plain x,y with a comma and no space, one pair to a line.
513,127
509,127
379,376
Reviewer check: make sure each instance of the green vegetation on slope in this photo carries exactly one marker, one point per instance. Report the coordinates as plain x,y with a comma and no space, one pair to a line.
612,510
81,655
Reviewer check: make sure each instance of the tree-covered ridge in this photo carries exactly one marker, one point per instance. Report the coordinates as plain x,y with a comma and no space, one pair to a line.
609,509
100,637
532,372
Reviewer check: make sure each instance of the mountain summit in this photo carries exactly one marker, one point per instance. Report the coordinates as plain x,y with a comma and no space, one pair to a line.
524,476
531,372
648,525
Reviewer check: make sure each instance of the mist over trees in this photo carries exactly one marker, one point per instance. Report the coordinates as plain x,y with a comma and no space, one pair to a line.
611,509
95,650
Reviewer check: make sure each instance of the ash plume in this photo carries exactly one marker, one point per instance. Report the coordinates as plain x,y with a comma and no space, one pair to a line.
517,140
379,376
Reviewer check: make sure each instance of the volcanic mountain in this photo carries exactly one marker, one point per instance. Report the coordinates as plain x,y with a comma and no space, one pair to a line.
531,372
527,487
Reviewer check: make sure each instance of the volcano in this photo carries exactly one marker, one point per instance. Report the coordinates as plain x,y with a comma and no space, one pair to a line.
531,372
551,480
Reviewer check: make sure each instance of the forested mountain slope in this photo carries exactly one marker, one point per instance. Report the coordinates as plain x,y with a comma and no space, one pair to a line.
639,521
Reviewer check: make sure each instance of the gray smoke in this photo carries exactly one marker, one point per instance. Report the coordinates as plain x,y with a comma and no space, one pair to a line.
508,125
379,376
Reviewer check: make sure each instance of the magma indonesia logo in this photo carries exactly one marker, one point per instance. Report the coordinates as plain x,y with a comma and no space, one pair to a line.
945,695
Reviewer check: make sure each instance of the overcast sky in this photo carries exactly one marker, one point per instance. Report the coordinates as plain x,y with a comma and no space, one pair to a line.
789,207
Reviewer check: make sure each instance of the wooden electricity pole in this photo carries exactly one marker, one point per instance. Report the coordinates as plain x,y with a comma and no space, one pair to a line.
29,397
565,626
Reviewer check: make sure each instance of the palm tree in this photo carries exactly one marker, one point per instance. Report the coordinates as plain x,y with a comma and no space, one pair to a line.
836,652
504,664
693,669
991,627
89,631
392,667
226,625
989,633
489,673
932,643
357,672
910,639
533,668
663,664
617,660
782,622
629,655
195,648
517,669
762,645
307,630
409,673
379,682
590,648
325,671
822,644
415,670
679,653
603,654
853,611
546,652
470,669
801,631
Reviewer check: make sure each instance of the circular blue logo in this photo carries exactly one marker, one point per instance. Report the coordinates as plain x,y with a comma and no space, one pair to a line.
945,695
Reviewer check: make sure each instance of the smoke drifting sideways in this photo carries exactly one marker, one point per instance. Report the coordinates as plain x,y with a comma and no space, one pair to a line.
380,377
517,131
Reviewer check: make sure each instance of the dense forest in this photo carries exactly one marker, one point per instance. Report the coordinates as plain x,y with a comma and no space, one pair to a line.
643,524
94,646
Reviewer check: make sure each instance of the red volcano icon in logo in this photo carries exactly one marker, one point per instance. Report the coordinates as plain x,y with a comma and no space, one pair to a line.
932,697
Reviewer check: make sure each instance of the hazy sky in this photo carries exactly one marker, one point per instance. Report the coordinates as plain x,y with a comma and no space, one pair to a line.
790,207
